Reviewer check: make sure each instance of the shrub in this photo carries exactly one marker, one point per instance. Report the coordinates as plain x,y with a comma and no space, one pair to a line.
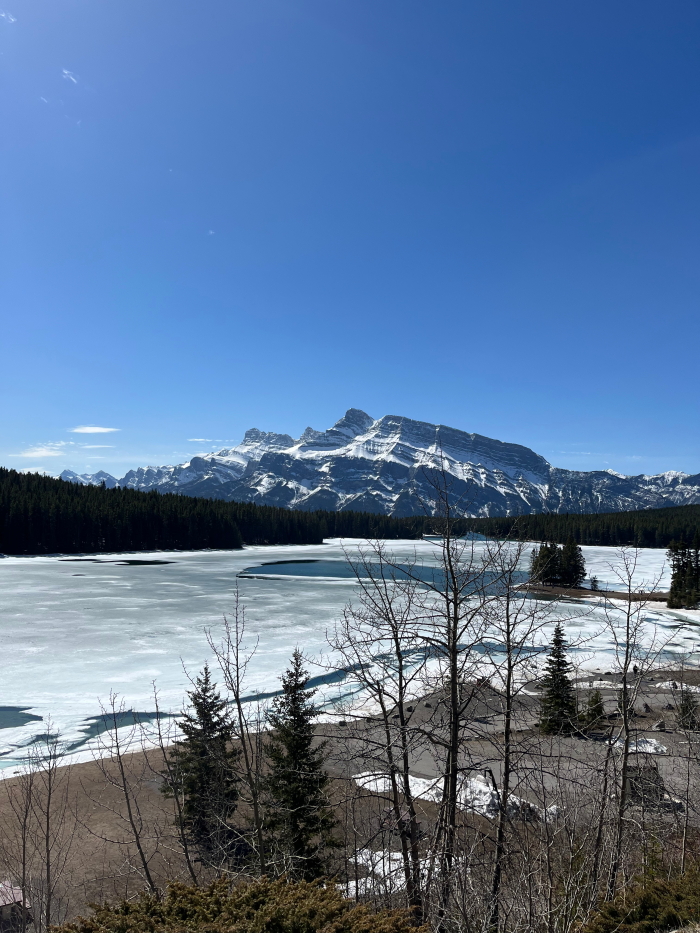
255,907
656,907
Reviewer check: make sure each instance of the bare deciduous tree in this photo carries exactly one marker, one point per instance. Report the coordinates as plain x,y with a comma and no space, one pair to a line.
634,656
122,770
16,838
380,641
233,657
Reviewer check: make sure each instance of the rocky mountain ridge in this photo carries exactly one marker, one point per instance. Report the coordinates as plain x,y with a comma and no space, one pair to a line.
385,466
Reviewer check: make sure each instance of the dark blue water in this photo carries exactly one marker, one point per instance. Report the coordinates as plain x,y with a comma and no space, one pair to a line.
340,569
121,562
98,725
12,717
301,568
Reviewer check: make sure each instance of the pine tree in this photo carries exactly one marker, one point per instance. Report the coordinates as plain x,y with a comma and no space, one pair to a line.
572,565
685,577
203,774
595,710
688,716
299,822
558,703
545,565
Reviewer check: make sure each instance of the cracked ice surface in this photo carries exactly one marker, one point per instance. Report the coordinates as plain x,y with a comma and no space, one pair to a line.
72,631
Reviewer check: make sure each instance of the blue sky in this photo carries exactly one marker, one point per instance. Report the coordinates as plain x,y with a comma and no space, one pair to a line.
233,214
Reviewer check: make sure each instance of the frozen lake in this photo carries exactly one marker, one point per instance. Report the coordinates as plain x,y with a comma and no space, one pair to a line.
74,629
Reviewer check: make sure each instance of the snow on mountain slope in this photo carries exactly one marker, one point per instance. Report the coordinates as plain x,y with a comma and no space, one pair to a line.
384,466
90,479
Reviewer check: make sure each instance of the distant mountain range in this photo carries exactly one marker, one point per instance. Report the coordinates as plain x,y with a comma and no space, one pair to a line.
380,466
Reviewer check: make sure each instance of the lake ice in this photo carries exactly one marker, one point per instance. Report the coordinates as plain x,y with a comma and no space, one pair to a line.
74,629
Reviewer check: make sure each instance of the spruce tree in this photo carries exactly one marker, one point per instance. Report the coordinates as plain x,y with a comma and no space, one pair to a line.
685,577
595,710
688,716
203,774
558,702
545,564
299,822
572,565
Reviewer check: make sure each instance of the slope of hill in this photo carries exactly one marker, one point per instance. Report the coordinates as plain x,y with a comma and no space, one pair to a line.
380,466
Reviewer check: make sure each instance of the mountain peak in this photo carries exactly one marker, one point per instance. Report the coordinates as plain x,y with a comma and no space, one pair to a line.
268,440
380,466
354,422
89,479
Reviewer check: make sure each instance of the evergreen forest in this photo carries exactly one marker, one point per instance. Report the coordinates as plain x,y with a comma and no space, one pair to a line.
685,577
43,515
641,528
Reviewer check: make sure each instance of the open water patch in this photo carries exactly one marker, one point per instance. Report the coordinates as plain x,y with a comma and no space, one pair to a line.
340,569
95,726
316,568
319,569
13,717
88,730
121,562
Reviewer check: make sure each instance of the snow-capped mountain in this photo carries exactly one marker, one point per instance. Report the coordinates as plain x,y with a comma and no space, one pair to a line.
384,466
90,479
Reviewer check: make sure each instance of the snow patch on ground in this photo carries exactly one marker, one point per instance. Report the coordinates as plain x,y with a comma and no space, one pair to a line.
644,746
474,794
675,685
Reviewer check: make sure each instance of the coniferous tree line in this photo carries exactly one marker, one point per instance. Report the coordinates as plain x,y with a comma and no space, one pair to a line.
685,578
642,528
40,514
43,515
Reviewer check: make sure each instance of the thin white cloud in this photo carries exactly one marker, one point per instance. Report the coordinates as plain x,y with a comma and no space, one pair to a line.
8,17
96,446
44,99
69,76
92,429
211,233
42,450
200,440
